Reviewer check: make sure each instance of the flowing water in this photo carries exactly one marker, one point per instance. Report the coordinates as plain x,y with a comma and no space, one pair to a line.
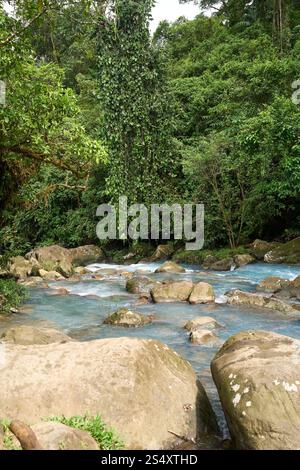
81,314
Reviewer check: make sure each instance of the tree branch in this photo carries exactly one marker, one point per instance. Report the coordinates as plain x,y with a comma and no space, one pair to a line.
17,34
28,153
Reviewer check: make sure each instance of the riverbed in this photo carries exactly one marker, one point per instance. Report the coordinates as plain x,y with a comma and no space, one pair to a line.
81,314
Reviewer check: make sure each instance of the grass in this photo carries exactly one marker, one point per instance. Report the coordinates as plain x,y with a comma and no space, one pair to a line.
106,438
8,440
11,295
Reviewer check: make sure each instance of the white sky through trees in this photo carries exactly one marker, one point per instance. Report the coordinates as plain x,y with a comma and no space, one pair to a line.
171,10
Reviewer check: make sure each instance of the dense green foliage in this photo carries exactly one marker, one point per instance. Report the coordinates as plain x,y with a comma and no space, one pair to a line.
96,109
105,438
137,115
11,295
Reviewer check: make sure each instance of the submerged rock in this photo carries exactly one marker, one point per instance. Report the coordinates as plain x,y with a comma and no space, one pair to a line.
170,267
127,318
58,436
202,293
29,335
237,297
257,375
202,322
288,253
142,389
172,291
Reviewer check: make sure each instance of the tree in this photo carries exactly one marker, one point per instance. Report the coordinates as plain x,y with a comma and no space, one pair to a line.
137,115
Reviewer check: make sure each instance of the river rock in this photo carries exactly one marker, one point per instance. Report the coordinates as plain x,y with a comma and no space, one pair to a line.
162,252
237,297
226,264
258,378
81,270
33,281
288,253
140,285
296,283
272,284
84,255
170,267
60,291
243,260
172,291
50,275
20,267
203,337
141,388
28,335
202,323
53,258
58,436
259,248
202,293
127,318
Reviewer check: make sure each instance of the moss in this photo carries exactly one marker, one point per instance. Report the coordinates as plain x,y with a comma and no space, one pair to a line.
197,257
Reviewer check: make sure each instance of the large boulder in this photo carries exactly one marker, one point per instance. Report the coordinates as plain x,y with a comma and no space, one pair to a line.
257,375
170,267
128,319
272,284
53,258
84,255
27,335
201,323
238,297
172,291
58,436
202,293
259,248
288,253
141,388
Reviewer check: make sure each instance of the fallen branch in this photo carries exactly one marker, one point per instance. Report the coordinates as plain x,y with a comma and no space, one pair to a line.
25,435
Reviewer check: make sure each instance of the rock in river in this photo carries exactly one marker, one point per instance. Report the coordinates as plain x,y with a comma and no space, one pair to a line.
172,291
170,267
258,379
127,318
238,297
141,388
202,293
202,322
